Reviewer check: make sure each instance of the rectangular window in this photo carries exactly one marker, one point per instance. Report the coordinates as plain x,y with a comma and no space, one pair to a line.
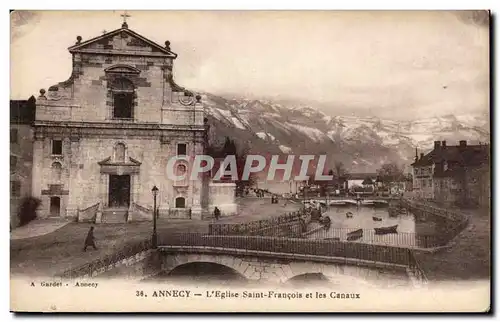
56,147
13,135
181,149
122,105
15,188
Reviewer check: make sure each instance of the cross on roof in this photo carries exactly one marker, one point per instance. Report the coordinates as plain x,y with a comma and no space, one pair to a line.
125,16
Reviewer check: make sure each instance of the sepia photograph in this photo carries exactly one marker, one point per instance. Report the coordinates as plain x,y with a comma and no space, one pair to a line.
250,161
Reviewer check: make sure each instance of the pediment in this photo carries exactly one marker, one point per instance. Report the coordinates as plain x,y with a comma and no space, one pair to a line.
129,162
121,68
122,41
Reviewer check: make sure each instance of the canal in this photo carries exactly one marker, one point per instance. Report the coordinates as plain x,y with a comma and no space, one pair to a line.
412,230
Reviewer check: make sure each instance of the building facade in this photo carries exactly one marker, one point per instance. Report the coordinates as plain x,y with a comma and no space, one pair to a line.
22,116
423,174
103,138
455,174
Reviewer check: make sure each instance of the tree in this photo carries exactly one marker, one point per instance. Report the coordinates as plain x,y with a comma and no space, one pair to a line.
27,210
340,173
367,182
230,148
242,185
390,172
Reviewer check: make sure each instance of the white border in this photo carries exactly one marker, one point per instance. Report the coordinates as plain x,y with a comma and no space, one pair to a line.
186,4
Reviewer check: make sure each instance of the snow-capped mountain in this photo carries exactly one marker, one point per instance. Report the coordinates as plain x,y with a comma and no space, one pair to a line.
361,143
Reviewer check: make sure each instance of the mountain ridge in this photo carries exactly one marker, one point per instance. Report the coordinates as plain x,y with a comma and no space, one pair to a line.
361,143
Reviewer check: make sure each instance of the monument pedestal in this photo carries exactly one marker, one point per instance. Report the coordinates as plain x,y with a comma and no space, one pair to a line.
196,212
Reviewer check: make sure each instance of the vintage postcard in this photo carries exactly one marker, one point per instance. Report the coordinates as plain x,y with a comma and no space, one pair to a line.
250,161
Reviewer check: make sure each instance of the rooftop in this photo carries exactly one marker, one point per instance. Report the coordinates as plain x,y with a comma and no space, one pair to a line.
22,111
463,154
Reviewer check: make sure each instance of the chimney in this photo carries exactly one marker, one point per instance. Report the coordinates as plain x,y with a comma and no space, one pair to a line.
437,144
462,143
421,155
443,144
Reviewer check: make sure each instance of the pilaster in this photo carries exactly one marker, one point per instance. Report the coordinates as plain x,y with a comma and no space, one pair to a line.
74,175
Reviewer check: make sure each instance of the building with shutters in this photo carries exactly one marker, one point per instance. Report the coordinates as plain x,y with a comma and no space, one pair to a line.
458,174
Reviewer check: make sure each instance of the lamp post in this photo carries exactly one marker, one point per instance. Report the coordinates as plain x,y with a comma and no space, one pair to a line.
154,238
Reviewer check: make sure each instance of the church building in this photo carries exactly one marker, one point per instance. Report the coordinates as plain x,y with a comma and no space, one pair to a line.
102,138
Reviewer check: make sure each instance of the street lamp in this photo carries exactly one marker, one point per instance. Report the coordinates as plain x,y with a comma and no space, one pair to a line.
154,239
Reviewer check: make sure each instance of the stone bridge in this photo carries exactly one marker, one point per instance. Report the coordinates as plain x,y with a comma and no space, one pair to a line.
281,267
270,259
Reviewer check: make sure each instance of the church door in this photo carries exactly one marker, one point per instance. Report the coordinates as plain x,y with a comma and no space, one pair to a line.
119,191
55,206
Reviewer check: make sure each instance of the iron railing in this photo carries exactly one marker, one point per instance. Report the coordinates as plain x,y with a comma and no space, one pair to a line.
291,246
259,227
401,239
415,269
457,219
90,268
433,210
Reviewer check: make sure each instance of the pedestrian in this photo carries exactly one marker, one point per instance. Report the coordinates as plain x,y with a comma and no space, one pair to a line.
90,240
216,213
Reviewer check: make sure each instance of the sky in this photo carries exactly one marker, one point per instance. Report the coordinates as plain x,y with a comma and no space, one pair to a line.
390,64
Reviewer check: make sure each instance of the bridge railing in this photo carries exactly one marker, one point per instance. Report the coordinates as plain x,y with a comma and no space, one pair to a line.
292,246
90,268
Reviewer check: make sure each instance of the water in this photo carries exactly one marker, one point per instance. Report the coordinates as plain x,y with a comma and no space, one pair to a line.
412,230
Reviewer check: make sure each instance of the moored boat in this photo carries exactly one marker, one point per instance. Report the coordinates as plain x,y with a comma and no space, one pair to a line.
380,203
377,218
386,230
354,235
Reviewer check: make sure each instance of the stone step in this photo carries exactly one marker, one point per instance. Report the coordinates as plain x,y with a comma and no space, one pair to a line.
114,216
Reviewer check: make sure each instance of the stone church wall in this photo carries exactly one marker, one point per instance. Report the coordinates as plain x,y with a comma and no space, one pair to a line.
79,111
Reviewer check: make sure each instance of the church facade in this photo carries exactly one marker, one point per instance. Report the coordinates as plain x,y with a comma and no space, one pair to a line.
102,139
